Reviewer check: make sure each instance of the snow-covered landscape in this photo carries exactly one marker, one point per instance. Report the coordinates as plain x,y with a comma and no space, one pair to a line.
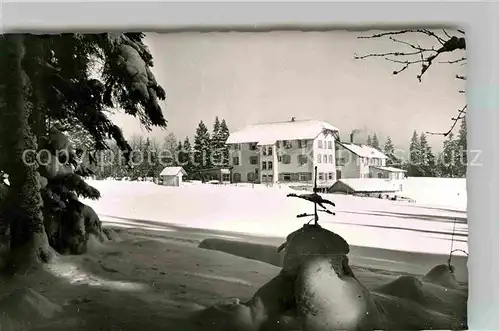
247,181
423,226
159,267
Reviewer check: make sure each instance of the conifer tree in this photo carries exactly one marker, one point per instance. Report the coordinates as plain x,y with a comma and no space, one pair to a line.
187,159
448,165
390,152
224,135
62,90
201,147
428,163
217,144
375,143
462,149
415,157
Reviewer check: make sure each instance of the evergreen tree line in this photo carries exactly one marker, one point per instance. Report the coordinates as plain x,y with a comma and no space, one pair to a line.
451,161
148,157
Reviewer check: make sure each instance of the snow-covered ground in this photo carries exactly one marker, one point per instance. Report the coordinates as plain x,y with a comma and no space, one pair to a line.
162,276
425,226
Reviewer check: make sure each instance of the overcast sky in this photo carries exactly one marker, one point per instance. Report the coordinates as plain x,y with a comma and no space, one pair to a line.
248,78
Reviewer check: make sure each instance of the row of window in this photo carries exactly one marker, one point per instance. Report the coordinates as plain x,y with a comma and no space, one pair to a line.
372,161
285,159
324,158
300,143
302,159
284,177
326,144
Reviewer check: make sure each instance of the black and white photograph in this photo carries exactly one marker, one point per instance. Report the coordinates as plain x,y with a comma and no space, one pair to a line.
285,180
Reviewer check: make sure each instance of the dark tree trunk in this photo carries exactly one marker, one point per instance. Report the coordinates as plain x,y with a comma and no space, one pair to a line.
22,207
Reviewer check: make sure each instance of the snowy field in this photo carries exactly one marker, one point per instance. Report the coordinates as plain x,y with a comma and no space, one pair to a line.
424,226
155,274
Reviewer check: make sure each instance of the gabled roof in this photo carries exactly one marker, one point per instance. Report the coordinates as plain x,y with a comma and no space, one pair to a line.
389,169
363,185
172,171
269,133
364,151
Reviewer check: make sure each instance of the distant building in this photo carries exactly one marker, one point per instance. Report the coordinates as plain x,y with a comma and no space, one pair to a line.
364,186
220,174
287,152
354,161
172,176
284,152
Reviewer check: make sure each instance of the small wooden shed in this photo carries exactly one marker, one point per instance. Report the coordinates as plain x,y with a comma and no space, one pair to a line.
172,176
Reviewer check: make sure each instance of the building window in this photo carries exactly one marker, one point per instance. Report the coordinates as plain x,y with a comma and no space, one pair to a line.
270,150
302,143
319,158
301,159
320,143
252,146
330,158
279,158
287,177
250,177
236,160
330,176
226,177
330,144
287,144
278,144
236,177
237,147
264,149
286,159
269,165
305,176
325,158
340,161
264,165
253,160
269,178
321,176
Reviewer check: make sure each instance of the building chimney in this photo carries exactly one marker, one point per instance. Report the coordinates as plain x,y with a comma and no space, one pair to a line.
351,138
293,119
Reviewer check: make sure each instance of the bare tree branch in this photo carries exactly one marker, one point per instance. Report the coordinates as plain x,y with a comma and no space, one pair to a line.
424,57
427,55
461,116
455,61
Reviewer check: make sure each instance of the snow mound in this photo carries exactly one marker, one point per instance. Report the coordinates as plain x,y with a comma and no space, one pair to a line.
224,317
442,275
25,307
264,253
327,301
311,240
405,287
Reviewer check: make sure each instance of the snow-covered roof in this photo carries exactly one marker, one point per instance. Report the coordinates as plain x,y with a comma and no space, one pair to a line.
389,169
367,184
172,171
269,133
365,151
